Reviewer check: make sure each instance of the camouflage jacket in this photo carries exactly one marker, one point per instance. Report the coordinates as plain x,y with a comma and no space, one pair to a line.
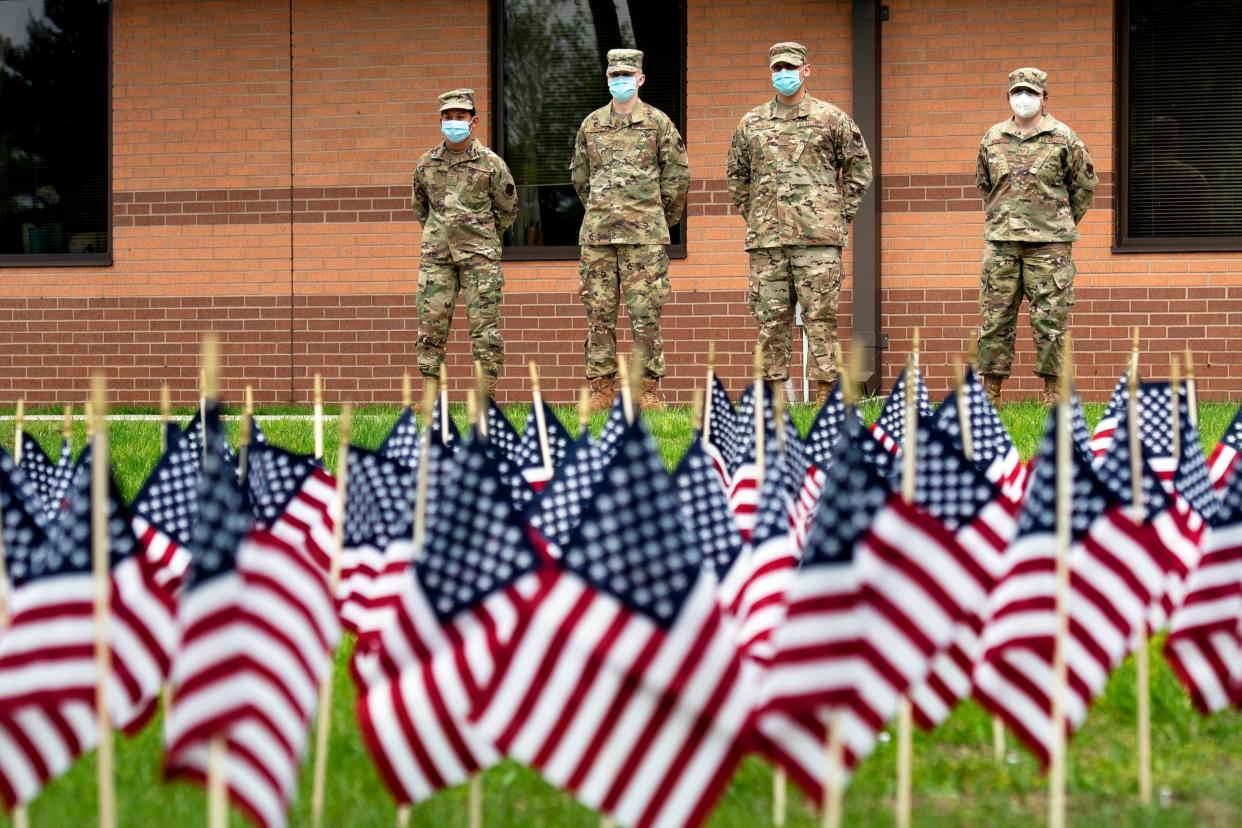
798,177
1037,188
464,204
632,175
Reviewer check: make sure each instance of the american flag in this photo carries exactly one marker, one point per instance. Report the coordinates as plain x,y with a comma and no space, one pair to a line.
957,493
1155,424
378,544
744,480
721,427
37,742
50,480
1225,456
528,456
891,425
821,440
991,447
165,509
258,626
48,652
500,431
623,684
404,440
560,506
705,508
1177,530
818,668
825,431
419,673
752,588
48,672
1113,579
1204,647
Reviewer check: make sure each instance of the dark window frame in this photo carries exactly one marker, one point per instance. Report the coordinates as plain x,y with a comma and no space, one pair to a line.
569,252
1122,241
81,259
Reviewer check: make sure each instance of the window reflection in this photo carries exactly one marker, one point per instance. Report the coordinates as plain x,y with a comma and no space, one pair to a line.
553,57
54,193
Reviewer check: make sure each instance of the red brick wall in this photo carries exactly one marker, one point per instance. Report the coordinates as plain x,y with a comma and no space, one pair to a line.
262,156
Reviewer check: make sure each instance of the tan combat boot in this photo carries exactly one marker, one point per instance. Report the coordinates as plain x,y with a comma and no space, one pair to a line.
823,390
431,385
992,384
603,391
651,399
488,387
1052,392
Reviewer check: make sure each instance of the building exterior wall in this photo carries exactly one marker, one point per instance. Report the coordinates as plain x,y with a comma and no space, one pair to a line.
262,153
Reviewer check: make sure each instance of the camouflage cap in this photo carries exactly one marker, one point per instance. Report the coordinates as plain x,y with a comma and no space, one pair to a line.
788,52
625,60
1030,78
457,99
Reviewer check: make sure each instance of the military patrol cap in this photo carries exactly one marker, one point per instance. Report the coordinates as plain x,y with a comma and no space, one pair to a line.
1030,78
789,52
457,99
625,60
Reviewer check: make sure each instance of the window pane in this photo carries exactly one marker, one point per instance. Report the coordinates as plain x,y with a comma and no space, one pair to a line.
54,98
1185,119
553,57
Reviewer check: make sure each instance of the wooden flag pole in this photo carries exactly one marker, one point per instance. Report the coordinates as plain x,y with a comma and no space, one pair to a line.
444,412
479,418
584,410
1192,392
407,398
165,415
1142,687
318,412
707,391
217,783
779,776
334,576
696,410
1064,486
627,397
834,773
19,419
476,413
103,599
217,748
760,430
420,512
424,473
968,451
474,818
247,433
905,715
202,400
66,426
541,425
834,783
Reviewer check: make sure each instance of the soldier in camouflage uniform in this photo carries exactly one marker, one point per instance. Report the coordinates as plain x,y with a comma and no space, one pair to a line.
1037,182
631,172
465,199
798,168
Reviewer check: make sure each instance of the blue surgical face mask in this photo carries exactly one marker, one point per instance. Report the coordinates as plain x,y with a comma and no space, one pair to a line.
455,131
623,87
787,81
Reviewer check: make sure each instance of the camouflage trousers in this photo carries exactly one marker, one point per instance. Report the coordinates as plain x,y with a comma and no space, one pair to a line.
481,280
640,271
1044,274
782,277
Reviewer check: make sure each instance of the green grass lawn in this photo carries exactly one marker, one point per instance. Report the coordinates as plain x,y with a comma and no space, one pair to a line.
1198,762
